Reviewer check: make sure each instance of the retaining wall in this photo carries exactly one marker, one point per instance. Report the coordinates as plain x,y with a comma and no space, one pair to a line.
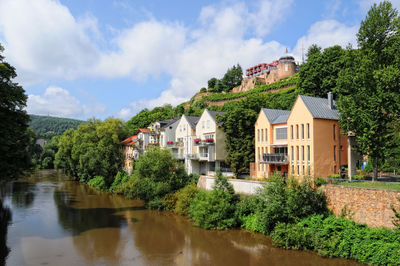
365,205
239,185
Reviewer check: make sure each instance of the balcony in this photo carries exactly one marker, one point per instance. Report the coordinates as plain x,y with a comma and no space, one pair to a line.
179,156
203,156
192,156
275,158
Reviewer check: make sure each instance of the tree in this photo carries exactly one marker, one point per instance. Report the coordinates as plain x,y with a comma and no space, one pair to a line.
94,149
212,82
232,78
14,138
369,84
319,74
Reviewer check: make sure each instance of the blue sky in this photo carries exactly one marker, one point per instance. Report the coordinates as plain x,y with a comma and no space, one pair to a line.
103,58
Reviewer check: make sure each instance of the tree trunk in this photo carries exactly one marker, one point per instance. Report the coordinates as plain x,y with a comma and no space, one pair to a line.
375,177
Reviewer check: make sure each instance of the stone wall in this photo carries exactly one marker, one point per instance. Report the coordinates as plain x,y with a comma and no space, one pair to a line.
369,206
239,185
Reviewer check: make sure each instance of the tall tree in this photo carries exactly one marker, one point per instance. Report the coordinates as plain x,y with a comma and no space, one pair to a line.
14,138
319,74
369,83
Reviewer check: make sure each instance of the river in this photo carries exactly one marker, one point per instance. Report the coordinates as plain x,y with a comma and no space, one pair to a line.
60,222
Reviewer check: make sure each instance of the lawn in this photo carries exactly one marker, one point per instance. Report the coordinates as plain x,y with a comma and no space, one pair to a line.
376,185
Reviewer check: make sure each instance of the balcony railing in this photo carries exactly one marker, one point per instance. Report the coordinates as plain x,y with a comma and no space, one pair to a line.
192,156
179,156
275,158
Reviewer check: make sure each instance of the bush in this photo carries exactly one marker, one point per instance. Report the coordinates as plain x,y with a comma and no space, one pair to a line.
283,202
215,209
338,237
98,182
121,178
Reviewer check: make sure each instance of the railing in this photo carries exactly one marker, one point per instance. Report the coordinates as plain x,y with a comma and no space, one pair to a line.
275,158
192,156
179,156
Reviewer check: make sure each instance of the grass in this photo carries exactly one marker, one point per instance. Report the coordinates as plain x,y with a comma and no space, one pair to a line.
376,185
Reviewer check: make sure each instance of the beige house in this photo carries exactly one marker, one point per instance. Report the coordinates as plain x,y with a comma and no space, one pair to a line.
210,145
305,141
271,142
183,147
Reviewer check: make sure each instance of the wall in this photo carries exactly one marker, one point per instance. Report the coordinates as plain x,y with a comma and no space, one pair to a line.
240,186
369,206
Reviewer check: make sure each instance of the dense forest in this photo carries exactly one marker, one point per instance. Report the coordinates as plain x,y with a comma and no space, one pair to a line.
48,126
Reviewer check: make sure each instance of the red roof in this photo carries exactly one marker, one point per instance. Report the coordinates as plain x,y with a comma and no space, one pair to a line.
143,130
130,140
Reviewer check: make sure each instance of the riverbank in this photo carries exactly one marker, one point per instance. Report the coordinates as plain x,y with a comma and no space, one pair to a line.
85,226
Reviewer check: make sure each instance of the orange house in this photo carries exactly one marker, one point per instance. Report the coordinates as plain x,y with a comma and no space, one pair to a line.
313,145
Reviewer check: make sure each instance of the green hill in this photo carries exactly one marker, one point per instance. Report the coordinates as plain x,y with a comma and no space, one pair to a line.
48,126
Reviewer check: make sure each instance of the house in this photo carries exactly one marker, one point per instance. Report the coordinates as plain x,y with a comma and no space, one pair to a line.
130,152
210,145
167,132
271,142
183,148
304,142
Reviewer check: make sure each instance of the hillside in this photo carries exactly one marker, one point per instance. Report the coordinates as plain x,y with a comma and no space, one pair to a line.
48,126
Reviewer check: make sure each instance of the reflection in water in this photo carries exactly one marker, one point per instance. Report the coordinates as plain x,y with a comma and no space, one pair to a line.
5,218
68,223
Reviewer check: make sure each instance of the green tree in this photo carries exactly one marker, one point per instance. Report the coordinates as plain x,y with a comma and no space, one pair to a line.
319,74
212,82
369,84
92,150
14,138
232,78
146,117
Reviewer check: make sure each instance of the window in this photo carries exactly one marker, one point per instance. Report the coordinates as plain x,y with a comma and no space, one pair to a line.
334,132
308,153
281,133
291,132
258,135
308,131
266,134
297,153
302,131
292,153
334,153
297,131
262,134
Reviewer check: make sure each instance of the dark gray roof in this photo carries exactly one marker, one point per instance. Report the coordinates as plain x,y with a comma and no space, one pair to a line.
192,121
168,122
319,108
214,115
276,116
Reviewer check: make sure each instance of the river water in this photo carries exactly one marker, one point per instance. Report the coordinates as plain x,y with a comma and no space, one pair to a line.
60,222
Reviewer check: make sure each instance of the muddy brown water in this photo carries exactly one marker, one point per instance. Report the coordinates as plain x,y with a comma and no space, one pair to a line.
60,222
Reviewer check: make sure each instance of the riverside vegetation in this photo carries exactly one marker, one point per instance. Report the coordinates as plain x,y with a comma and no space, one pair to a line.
293,214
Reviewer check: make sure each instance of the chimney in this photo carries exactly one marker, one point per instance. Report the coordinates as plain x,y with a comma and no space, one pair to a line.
330,100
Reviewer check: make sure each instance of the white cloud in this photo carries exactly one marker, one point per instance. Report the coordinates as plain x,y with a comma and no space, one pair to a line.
44,40
366,4
327,33
57,101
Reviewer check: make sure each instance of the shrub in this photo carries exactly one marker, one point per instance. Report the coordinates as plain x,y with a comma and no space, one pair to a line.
286,202
338,237
98,182
320,181
215,209
121,178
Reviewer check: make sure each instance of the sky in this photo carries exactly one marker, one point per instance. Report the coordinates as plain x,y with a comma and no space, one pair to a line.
112,58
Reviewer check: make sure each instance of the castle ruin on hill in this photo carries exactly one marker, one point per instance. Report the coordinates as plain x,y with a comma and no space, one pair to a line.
267,73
